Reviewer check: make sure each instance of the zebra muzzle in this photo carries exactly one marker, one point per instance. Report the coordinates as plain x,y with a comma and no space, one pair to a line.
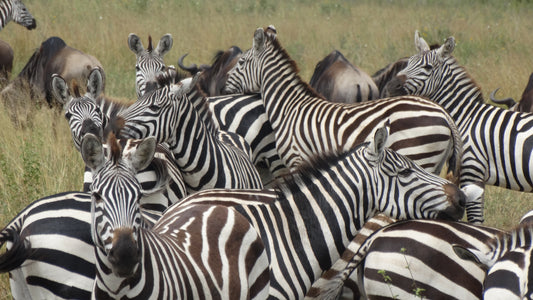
124,255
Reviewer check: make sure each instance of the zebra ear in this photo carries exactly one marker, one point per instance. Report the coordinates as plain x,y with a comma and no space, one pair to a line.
60,89
259,40
380,138
447,48
92,151
164,45
475,256
420,44
135,44
144,153
95,83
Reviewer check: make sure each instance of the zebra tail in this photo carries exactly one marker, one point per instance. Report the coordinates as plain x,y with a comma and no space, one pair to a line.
19,251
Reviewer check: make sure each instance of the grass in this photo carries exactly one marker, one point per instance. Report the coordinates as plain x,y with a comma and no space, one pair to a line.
37,157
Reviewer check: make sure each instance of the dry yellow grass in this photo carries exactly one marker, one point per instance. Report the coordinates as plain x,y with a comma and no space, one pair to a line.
493,37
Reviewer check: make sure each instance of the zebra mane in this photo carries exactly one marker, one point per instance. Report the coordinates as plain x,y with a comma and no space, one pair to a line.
277,46
312,168
520,236
150,47
115,149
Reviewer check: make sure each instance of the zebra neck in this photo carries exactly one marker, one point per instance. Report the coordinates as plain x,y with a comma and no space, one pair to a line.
284,91
460,96
195,148
6,9
200,103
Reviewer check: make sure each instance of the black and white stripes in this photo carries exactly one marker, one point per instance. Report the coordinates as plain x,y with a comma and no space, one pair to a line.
15,10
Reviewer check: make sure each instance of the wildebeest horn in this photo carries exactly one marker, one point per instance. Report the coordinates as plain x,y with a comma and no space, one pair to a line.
506,101
193,68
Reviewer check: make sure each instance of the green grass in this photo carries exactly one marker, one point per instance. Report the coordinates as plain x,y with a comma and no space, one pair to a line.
37,157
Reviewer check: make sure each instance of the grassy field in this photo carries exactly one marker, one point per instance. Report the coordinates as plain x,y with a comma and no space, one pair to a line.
37,157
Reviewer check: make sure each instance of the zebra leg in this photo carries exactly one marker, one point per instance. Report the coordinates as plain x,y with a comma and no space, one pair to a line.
474,202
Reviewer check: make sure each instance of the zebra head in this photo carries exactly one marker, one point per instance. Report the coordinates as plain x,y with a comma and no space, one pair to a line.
149,62
245,77
425,195
16,10
115,193
82,112
426,70
157,114
508,264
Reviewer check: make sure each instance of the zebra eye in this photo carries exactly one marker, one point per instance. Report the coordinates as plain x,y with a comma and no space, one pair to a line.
428,67
405,172
137,68
97,198
153,106
68,115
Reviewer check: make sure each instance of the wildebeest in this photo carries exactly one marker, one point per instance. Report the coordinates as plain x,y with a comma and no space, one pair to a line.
213,77
6,62
338,80
53,57
526,102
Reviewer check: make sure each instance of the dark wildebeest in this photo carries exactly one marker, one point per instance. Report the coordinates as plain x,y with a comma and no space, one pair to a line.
526,102
213,78
338,80
16,10
6,62
54,57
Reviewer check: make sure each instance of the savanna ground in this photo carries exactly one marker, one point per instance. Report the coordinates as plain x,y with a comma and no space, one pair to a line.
37,157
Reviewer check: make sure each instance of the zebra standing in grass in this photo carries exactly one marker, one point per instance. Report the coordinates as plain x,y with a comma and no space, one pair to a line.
185,254
497,142
509,264
84,116
206,159
149,62
306,124
15,10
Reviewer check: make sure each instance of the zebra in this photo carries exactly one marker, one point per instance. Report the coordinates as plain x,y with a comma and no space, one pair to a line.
50,251
149,62
16,10
206,159
281,238
412,259
306,124
496,141
508,261
84,115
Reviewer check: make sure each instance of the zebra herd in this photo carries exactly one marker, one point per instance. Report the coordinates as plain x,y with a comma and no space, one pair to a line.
272,191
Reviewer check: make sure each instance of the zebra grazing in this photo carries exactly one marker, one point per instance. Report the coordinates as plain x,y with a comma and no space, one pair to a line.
497,142
206,159
235,244
508,260
306,124
84,115
149,62
16,10
414,259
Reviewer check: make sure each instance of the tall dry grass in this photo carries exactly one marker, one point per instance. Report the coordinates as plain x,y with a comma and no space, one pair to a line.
37,157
